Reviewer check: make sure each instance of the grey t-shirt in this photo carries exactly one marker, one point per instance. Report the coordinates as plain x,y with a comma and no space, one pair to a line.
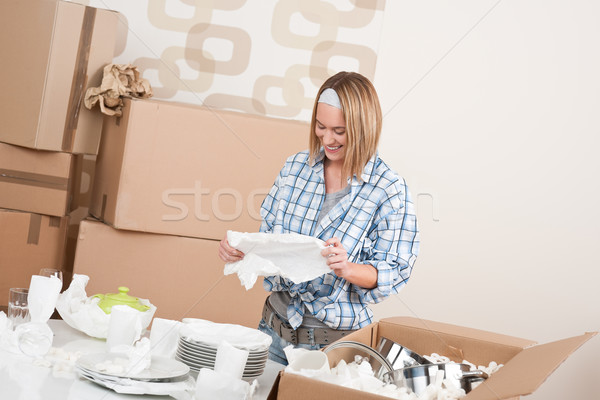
280,300
331,199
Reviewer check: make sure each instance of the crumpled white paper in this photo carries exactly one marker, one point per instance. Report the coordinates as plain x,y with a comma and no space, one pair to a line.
124,327
214,385
290,255
83,313
230,360
137,357
178,390
42,297
34,338
306,362
359,375
213,334
61,361
164,337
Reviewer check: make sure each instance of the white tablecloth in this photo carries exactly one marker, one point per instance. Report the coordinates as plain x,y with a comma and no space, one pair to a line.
20,379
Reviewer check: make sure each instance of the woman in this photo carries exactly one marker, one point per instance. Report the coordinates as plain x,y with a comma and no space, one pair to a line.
342,192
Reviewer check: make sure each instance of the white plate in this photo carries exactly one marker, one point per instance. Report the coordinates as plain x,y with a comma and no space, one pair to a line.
191,362
196,356
253,374
156,389
120,380
160,367
211,334
212,354
197,346
208,349
201,359
248,371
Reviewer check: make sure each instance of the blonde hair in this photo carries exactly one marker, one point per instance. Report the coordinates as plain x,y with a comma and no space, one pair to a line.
362,114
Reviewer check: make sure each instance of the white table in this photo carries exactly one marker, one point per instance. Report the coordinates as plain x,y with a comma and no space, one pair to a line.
20,379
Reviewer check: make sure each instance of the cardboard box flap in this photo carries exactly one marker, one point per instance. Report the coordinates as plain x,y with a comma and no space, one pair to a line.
290,386
523,374
456,342
461,331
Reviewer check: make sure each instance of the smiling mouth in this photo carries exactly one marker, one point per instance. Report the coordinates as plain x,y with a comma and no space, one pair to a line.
330,148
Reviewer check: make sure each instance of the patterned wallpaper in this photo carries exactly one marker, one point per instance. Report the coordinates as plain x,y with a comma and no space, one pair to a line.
263,57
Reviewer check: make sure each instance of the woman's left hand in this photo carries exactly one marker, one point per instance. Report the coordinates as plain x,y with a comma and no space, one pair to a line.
337,258
363,275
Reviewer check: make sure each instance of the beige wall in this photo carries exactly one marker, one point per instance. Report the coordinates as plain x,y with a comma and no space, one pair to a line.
501,128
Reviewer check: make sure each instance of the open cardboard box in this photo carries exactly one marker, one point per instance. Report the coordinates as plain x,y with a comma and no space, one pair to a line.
526,365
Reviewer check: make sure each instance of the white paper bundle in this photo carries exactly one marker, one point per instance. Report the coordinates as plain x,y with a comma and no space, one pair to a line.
290,255
213,385
83,313
164,337
42,297
212,333
35,338
231,360
124,326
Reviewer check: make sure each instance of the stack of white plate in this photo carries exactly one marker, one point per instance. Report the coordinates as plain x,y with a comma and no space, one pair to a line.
200,339
200,355
163,376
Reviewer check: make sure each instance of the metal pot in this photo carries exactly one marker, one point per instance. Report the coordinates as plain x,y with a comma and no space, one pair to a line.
373,355
398,355
418,377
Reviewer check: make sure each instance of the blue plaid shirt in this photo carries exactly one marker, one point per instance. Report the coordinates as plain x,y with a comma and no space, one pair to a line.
375,222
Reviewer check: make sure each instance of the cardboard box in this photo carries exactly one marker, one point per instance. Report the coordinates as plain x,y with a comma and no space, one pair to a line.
526,365
182,276
35,181
83,177
189,170
52,51
28,243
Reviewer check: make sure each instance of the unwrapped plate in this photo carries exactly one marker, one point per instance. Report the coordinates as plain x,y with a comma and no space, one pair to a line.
161,368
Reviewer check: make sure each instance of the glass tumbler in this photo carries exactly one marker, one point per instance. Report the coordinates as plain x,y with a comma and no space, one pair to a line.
52,272
18,310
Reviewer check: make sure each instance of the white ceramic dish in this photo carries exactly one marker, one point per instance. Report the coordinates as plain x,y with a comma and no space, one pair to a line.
161,368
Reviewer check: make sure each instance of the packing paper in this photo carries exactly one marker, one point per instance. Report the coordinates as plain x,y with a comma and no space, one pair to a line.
289,255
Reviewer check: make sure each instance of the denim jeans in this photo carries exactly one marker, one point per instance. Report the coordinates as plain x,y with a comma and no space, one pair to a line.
276,352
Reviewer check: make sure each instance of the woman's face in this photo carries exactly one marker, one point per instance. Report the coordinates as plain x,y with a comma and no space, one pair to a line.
330,129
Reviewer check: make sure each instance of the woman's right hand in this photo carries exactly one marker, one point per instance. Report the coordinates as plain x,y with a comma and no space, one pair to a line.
228,253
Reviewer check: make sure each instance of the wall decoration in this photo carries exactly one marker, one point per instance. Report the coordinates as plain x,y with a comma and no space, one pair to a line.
264,57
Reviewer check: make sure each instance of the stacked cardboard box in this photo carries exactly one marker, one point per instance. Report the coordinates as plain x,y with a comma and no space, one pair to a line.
35,181
170,180
28,242
186,170
182,276
52,51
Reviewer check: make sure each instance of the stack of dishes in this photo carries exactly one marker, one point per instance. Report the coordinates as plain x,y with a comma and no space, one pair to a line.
199,355
160,378
199,341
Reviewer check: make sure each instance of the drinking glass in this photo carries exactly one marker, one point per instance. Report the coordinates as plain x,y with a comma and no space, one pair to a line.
52,272
34,338
18,311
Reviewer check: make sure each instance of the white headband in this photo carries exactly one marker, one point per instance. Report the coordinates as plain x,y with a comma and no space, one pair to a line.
329,96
